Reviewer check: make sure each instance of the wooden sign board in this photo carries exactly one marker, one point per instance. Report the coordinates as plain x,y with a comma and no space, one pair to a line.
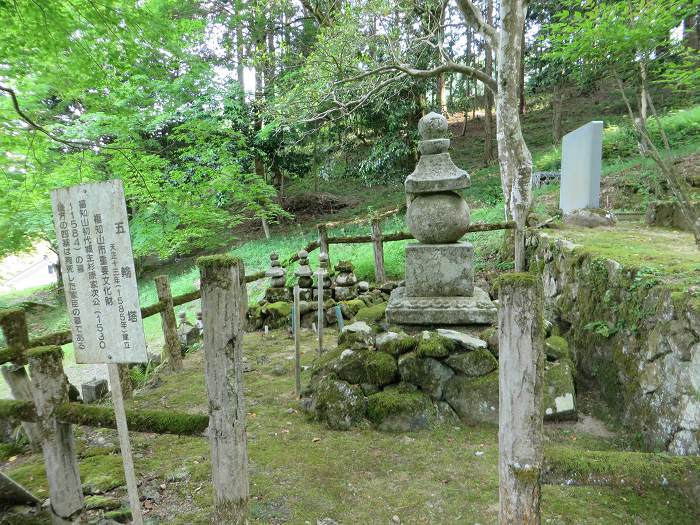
92,231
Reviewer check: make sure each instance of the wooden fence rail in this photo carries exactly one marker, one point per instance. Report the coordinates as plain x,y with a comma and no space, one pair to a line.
154,421
64,337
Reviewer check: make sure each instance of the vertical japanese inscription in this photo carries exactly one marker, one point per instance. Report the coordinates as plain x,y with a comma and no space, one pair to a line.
92,229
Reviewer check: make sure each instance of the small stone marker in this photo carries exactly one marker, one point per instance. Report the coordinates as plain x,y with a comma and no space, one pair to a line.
581,158
94,390
92,230
12,492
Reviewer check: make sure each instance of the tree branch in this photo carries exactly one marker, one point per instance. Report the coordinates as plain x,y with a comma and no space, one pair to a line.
472,16
448,66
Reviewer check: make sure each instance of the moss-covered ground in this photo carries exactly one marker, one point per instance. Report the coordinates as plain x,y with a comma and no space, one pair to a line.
669,256
302,472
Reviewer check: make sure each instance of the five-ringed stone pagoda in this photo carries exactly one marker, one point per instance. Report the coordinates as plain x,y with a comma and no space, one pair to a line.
439,287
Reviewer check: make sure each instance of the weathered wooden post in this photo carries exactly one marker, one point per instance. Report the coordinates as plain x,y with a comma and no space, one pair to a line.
323,241
171,349
50,389
520,382
13,323
297,342
321,273
127,387
224,302
378,245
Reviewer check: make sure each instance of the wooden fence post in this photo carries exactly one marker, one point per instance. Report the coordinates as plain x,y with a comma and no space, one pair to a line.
224,303
379,275
321,317
167,320
13,323
297,342
50,389
520,383
323,242
125,380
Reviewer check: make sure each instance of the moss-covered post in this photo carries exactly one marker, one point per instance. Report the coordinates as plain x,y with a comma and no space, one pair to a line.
171,349
378,245
520,380
323,241
13,323
224,303
50,390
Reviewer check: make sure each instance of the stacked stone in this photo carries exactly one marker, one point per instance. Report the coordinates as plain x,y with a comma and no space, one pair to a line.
277,290
345,281
439,270
401,382
304,276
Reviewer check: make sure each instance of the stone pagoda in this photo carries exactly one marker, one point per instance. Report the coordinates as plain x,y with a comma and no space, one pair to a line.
439,288
278,280
304,275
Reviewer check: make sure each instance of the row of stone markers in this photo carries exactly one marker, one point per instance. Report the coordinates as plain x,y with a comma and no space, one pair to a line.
342,290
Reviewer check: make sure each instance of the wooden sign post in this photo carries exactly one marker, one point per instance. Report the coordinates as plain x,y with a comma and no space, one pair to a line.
92,232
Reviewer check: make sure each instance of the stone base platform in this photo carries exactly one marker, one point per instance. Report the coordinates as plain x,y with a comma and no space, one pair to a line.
477,309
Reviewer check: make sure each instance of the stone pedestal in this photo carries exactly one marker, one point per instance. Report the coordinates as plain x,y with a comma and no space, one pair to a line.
439,270
435,311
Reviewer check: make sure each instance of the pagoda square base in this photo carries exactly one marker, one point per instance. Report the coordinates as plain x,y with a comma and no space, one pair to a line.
465,310
439,270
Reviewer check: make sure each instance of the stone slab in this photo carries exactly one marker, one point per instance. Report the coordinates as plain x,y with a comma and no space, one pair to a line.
12,492
436,173
477,309
581,159
439,270
94,390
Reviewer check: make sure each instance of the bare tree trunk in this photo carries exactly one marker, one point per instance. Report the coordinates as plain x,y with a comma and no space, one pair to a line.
557,103
488,95
521,78
513,154
240,69
442,94
691,31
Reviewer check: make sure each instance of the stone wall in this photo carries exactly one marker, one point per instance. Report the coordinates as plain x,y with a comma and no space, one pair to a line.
633,336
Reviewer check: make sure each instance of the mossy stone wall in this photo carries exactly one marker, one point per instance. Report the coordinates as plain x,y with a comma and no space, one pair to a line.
634,335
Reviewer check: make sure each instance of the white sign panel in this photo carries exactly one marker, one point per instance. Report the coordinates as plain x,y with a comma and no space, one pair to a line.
92,230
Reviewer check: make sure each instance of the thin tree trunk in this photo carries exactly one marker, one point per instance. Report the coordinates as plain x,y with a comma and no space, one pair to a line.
513,154
521,78
557,103
442,94
488,95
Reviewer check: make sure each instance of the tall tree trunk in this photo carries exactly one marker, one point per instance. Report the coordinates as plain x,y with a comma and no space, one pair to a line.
557,103
691,31
521,77
240,69
442,94
513,154
488,95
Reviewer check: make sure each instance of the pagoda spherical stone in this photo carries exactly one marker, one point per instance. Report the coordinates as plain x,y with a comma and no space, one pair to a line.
437,218
433,126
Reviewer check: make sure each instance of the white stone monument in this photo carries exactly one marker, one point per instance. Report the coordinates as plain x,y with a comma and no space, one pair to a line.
581,157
